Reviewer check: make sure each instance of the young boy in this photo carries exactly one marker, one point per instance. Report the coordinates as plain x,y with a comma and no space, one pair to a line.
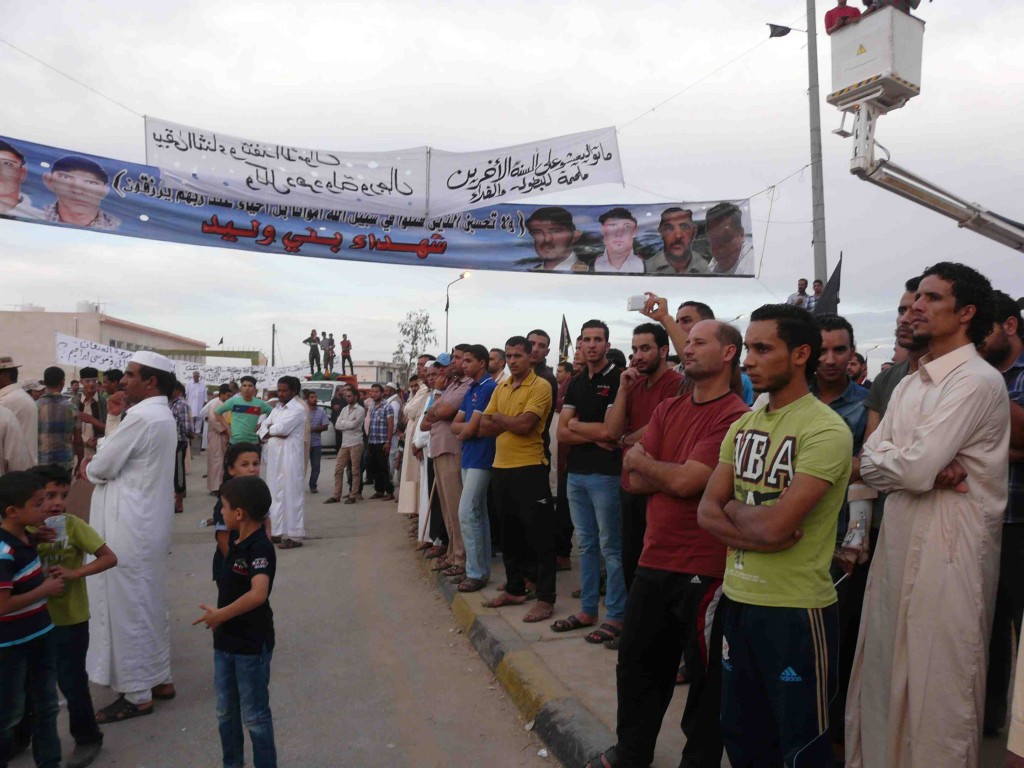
243,626
69,610
240,460
27,657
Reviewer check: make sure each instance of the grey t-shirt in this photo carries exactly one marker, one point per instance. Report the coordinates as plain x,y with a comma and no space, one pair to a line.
878,401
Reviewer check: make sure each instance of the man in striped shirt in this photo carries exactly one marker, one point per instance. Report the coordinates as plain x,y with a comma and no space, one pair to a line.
27,658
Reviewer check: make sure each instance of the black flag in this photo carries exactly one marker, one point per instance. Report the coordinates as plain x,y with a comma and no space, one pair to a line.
828,304
775,30
564,343
219,343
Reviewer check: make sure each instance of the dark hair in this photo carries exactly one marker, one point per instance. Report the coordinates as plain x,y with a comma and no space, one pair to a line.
795,326
75,163
292,382
520,341
16,488
1004,307
413,378
463,348
539,332
51,473
165,380
566,366
247,493
5,147
224,389
237,449
553,214
673,359
179,388
656,330
114,374
670,211
479,353
426,356
829,322
913,283
377,385
88,373
501,352
596,324
618,357
860,358
705,312
970,288
724,210
818,282
53,377
616,213
730,335
248,378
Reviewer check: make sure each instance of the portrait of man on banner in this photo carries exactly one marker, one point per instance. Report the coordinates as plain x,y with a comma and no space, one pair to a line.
554,236
13,172
80,185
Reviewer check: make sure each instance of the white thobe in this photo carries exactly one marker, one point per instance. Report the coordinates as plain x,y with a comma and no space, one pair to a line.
14,455
285,458
20,403
917,691
195,395
133,511
408,492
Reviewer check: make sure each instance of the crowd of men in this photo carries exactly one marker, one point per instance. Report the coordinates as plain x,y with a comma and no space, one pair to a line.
835,570
323,344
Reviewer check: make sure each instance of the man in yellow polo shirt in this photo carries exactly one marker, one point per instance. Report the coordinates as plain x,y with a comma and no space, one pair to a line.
516,414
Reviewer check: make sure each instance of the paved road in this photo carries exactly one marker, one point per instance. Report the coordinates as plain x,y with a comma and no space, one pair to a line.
368,670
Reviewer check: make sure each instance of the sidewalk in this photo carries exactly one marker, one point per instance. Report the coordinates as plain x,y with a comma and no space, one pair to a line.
566,685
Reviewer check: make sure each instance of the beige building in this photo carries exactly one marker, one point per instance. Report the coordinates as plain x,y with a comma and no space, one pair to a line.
377,371
28,335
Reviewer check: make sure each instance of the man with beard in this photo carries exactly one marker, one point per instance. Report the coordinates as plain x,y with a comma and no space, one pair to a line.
676,256
554,235
283,435
917,688
1004,350
496,365
642,386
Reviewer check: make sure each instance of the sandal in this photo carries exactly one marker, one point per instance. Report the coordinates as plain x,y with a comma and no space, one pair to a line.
607,759
612,645
454,570
423,546
164,691
502,600
540,612
290,544
571,623
471,585
121,709
433,552
603,634
441,564
331,500
458,579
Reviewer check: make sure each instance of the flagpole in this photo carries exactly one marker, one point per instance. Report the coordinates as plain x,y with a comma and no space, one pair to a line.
817,179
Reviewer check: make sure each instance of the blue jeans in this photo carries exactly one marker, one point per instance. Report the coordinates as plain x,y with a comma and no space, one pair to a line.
71,644
597,516
475,523
315,452
243,695
36,663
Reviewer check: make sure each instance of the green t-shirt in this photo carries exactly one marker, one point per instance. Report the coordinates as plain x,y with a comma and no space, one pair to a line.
766,449
72,605
245,417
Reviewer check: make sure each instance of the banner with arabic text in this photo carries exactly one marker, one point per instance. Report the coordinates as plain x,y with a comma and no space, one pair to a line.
417,181
82,353
58,187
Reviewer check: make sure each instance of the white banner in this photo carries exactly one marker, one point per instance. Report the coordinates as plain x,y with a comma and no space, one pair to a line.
416,181
227,166
82,353
462,181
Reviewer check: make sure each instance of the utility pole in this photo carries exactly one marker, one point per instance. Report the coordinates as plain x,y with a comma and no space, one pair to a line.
817,180
273,342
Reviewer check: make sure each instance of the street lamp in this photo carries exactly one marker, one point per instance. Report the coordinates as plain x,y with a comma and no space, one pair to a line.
817,182
447,304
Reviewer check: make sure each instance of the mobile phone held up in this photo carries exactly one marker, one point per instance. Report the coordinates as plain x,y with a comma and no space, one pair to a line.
635,303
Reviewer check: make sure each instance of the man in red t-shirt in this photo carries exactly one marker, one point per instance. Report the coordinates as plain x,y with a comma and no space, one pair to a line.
839,16
642,386
346,355
670,611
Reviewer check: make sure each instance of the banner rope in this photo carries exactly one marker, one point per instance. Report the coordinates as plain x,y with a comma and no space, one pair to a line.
69,77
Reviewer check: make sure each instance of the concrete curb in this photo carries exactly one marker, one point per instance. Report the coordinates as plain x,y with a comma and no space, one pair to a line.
570,730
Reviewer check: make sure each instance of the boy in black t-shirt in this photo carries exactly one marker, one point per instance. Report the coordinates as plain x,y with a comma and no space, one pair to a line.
243,625
240,460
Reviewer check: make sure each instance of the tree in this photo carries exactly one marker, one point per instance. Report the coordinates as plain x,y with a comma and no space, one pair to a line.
417,334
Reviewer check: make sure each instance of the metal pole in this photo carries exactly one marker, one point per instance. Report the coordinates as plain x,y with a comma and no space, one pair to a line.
273,338
446,302
817,181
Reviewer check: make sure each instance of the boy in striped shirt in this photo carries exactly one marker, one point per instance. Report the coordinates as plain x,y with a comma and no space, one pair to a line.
27,658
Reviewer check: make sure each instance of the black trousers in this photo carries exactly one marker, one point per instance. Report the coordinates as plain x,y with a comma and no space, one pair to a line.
351,367
378,469
437,530
670,616
314,359
1006,624
778,677
634,526
523,497
849,607
179,466
563,520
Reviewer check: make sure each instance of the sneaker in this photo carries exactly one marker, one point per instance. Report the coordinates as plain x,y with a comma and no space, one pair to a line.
84,755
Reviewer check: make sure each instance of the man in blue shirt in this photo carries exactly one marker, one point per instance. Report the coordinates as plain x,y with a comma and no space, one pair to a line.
477,458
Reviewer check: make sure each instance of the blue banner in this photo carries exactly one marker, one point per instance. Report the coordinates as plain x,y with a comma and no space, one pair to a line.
48,185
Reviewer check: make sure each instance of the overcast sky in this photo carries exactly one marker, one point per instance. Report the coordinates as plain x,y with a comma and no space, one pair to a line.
465,75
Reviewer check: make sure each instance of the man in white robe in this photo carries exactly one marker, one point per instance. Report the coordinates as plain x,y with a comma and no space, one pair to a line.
408,493
284,456
21,404
917,690
14,455
195,395
133,509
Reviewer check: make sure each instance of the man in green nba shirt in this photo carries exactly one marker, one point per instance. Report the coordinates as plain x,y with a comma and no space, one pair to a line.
774,499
